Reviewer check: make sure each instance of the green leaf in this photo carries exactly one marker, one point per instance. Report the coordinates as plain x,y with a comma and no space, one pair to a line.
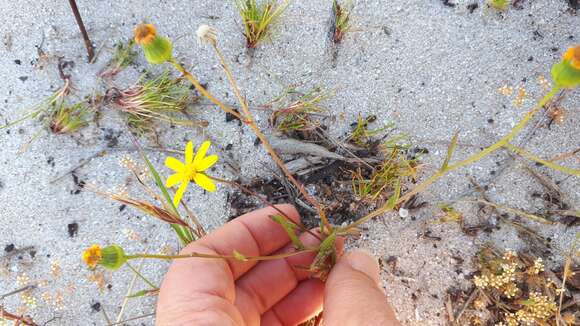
142,293
183,233
450,151
290,228
239,256
392,202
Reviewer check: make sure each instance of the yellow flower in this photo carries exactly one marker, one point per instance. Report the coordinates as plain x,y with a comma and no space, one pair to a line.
193,169
145,33
93,256
573,55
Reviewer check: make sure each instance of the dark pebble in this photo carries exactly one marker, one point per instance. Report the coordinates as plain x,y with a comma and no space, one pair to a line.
73,229
9,247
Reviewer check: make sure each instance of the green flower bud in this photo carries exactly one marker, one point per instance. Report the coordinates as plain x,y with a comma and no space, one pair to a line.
157,49
113,257
566,73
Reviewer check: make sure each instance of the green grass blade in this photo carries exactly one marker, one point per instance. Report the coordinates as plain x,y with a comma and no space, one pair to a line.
450,151
184,234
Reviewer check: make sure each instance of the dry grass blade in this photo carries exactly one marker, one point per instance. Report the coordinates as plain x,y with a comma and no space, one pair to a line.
518,212
151,209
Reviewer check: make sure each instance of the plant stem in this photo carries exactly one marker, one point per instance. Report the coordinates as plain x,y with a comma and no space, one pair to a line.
86,39
142,277
549,164
203,91
252,124
471,159
200,255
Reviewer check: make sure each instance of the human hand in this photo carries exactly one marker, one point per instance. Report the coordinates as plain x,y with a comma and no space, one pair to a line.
200,291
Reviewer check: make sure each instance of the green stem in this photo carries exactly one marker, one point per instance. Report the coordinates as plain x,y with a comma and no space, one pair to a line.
235,257
471,159
549,164
266,143
142,277
203,91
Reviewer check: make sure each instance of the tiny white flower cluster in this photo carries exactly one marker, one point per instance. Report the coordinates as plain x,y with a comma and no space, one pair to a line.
538,267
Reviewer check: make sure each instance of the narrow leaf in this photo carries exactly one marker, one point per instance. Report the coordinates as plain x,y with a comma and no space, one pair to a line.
450,151
392,202
290,228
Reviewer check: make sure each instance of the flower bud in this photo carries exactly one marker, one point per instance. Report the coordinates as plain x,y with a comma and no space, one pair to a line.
157,49
113,257
566,73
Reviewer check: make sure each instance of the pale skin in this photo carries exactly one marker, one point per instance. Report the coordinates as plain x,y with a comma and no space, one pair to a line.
278,292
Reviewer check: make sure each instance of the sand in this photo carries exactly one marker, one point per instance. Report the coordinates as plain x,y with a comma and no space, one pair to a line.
429,67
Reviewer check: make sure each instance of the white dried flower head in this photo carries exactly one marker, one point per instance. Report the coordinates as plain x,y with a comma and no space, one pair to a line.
403,212
206,33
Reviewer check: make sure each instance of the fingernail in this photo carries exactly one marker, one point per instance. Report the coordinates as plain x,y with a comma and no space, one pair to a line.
365,263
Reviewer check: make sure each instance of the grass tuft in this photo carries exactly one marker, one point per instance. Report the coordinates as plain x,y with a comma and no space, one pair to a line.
151,100
386,178
68,119
258,18
293,110
342,23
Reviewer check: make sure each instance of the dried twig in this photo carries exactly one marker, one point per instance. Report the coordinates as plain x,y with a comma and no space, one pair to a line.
87,40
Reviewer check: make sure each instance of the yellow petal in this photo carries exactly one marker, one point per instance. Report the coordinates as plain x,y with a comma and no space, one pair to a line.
206,163
204,181
188,152
179,193
201,152
174,164
173,180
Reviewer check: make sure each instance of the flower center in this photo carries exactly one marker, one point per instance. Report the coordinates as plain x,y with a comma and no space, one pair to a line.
191,171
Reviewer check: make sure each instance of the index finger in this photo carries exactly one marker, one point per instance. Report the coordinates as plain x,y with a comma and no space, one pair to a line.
252,234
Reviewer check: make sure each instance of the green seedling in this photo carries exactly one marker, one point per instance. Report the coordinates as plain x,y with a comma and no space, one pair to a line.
68,119
258,18
125,55
341,15
499,4
450,214
361,134
386,178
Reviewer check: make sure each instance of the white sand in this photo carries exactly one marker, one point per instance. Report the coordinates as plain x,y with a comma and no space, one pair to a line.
436,71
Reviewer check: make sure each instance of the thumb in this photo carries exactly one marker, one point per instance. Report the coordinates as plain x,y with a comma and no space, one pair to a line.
352,295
